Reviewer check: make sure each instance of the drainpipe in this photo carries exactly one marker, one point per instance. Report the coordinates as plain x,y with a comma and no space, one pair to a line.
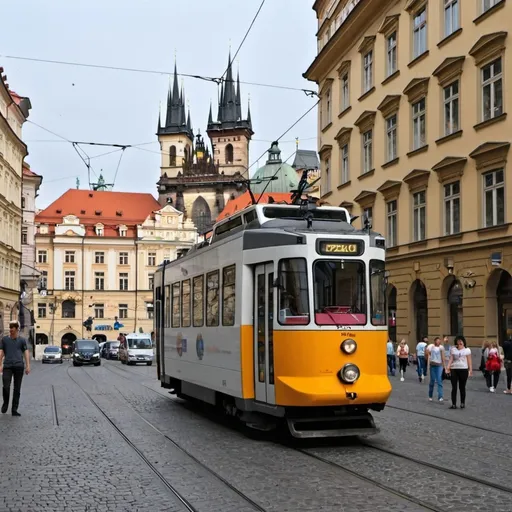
136,283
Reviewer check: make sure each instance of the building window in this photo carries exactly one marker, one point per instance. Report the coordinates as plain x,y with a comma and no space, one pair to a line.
123,232
99,280
487,4
367,151
345,92
151,281
123,258
391,138
367,216
69,256
68,309
198,301
99,311
24,236
368,71
228,153
451,16
391,211
123,281
492,90
451,108
151,259
212,299
494,198
172,156
69,280
123,310
41,310
419,216
43,283
345,175
185,303
22,203
391,54
419,138
328,102
228,295
420,33
327,177
42,256
452,208
99,230
99,257
176,310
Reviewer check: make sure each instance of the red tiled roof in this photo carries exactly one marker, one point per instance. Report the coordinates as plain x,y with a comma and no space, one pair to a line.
109,208
28,172
243,201
16,97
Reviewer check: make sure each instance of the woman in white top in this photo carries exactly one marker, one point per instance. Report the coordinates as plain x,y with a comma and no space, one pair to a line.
402,351
460,367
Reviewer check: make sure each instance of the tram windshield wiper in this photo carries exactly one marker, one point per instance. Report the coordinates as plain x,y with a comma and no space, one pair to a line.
326,310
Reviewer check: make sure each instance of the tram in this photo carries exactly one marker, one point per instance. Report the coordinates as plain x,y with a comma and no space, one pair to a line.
279,319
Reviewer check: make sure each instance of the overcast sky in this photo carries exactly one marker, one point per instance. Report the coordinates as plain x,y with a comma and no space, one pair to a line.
86,104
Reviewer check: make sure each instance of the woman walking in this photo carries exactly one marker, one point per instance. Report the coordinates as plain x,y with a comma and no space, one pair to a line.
436,361
420,358
492,366
460,367
507,353
403,358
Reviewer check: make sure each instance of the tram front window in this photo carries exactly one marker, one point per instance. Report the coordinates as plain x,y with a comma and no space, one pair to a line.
340,293
293,292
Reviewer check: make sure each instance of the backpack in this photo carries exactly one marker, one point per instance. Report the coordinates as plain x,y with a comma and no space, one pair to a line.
493,363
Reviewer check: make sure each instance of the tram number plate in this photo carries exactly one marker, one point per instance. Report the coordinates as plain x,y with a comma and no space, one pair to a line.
348,247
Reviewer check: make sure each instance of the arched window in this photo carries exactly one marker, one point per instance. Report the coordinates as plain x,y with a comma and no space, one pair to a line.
201,215
68,309
455,307
420,303
172,156
229,154
188,153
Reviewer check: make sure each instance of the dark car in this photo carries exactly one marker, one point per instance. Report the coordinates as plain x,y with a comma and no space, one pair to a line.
111,350
52,354
86,352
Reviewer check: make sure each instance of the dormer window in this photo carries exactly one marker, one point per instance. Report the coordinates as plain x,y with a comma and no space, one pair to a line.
99,228
123,230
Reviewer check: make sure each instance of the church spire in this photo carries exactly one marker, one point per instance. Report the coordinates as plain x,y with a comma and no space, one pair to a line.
210,116
238,99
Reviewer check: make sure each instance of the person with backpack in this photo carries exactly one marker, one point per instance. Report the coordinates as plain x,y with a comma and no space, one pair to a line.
460,367
403,358
492,366
507,354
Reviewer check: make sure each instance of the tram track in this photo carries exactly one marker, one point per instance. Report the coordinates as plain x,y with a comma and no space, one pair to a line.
183,500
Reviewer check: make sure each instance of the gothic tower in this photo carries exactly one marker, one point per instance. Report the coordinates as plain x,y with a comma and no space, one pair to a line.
230,134
175,136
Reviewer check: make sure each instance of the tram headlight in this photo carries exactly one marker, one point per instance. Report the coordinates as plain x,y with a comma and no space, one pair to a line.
349,373
349,346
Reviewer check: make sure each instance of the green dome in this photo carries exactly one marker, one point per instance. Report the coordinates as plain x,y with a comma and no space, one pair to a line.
286,175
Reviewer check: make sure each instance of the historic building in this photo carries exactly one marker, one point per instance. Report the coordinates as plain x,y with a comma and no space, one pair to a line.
14,111
29,275
414,135
97,252
194,179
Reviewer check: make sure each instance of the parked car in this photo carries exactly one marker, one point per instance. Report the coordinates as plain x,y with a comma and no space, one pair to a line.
111,350
52,354
86,352
137,349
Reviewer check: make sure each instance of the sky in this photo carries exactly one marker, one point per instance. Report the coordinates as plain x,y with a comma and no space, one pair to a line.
118,107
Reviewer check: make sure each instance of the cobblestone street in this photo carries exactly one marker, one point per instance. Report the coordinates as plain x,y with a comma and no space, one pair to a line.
111,439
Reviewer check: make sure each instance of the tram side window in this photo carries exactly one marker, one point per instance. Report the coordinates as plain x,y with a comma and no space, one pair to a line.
198,300
293,292
168,306
185,303
176,305
228,295
378,287
212,299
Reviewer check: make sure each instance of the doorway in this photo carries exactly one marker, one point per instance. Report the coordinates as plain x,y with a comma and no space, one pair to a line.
66,342
504,295
264,333
420,303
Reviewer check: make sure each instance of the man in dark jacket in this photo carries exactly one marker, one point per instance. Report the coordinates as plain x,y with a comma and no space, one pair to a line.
16,360
507,353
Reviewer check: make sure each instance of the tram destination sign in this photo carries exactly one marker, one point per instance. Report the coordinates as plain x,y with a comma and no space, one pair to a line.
340,247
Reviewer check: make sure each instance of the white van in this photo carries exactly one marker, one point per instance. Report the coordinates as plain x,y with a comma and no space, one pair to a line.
138,349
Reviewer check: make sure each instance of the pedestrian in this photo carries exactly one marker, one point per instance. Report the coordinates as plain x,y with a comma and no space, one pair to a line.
391,358
403,358
507,354
420,358
492,366
485,345
460,367
436,360
13,350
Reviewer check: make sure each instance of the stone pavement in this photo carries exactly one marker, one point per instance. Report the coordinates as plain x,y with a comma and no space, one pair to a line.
76,459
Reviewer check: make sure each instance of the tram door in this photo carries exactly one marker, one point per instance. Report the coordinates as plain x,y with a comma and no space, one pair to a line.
264,333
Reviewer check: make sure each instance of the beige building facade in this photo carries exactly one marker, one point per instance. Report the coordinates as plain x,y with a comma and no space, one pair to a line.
102,267
13,113
414,136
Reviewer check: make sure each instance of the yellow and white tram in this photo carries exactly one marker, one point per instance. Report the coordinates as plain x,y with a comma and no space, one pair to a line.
279,317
